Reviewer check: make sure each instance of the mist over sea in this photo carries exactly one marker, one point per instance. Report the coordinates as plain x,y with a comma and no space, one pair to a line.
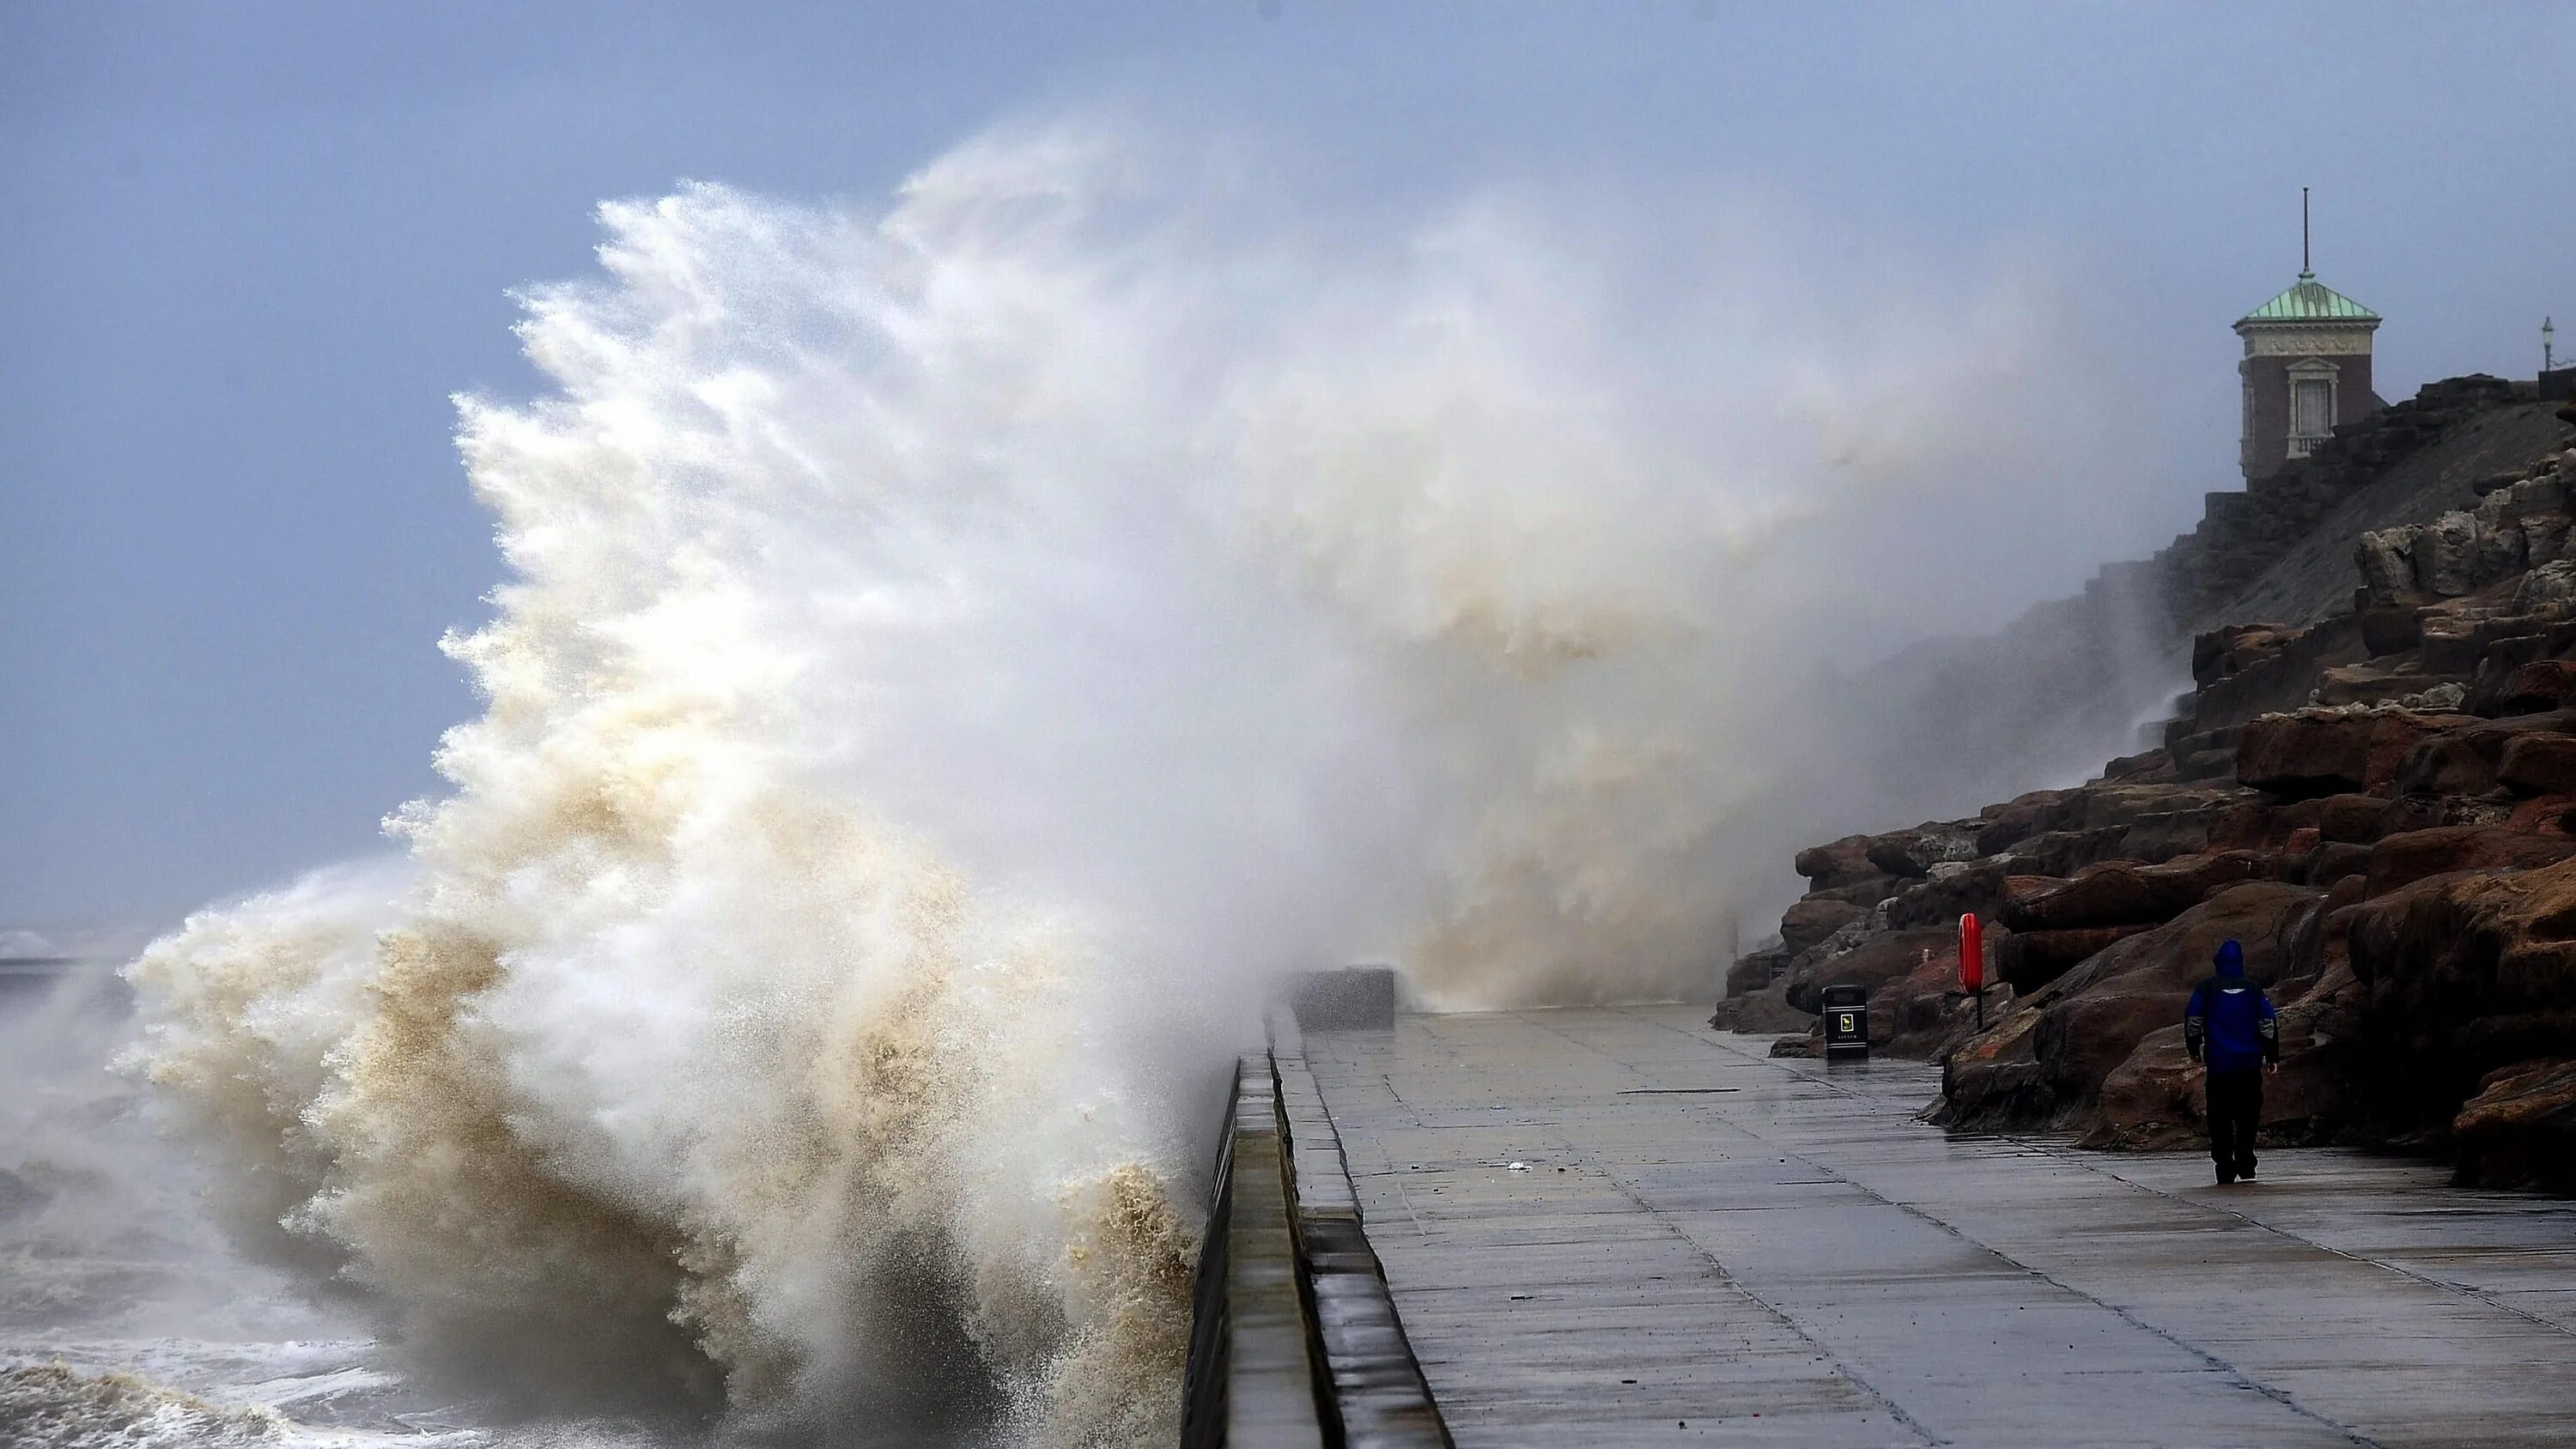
960,650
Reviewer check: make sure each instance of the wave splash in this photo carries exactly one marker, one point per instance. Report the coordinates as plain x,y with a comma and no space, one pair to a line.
954,655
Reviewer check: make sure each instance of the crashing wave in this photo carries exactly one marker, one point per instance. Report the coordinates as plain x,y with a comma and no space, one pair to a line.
953,658
50,1406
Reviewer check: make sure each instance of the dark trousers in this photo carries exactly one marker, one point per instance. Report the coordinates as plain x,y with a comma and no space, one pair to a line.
2235,1110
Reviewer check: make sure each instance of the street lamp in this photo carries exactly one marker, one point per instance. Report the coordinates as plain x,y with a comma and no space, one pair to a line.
2548,357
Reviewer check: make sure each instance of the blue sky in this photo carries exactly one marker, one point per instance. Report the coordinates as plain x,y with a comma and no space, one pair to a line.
251,250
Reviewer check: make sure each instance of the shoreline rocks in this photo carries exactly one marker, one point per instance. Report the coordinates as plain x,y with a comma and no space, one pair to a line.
2381,806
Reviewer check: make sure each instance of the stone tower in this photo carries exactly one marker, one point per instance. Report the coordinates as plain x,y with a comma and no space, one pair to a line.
2306,368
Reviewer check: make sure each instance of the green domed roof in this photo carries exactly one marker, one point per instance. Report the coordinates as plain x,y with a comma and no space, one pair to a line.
2310,300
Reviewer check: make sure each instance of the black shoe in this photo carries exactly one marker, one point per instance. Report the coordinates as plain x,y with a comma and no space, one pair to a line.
2246,1172
2226,1178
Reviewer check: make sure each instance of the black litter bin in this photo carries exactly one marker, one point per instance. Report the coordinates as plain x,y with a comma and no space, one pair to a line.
1846,1023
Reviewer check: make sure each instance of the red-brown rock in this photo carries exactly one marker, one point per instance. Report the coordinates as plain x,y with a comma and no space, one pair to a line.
2465,760
2029,960
2153,767
2155,1100
2334,861
2045,1065
2348,818
1869,890
2402,859
1844,862
2060,853
2232,648
2519,1131
1942,900
1755,970
2465,974
2119,893
2546,815
1812,920
1876,962
2004,826
1765,1010
2542,684
2319,752
2539,764
1923,1013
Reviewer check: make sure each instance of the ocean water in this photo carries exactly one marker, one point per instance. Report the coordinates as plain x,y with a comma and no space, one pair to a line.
127,1317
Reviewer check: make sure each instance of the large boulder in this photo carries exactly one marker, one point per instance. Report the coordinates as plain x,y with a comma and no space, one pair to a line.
2230,649
2155,1099
1869,890
1755,970
1876,961
2029,960
1906,854
2465,759
2539,764
2528,688
2544,815
1950,892
2414,855
2351,819
2446,556
2545,538
1844,862
2333,752
1810,921
2151,1101
2550,586
1923,1013
2044,1067
2095,807
2058,853
2519,1131
2004,826
2122,893
2465,974
2386,561
1765,1010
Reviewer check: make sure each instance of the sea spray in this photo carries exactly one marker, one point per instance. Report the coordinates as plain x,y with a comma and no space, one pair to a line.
954,658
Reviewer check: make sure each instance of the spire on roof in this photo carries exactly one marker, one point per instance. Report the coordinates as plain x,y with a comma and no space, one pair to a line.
2309,300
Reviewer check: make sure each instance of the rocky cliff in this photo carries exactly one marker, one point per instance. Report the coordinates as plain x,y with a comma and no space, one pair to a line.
2374,791
2037,702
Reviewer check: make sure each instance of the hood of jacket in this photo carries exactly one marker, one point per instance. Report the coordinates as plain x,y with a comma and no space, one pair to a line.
2230,959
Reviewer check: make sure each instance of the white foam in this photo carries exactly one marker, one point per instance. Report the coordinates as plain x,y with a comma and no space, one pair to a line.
955,656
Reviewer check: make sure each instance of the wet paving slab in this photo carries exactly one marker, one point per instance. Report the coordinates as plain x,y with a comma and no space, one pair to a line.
1614,1226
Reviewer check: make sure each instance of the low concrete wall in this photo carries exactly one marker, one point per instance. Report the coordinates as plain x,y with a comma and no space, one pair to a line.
1251,1382
1295,1340
1352,998
1377,1390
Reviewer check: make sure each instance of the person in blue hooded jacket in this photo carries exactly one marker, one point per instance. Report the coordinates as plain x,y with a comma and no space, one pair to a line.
2229,1024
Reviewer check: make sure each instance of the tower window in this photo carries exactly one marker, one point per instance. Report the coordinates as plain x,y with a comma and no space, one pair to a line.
2312,413
2312,408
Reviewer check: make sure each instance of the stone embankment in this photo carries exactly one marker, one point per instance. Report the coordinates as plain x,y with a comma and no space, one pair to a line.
2381,805
2044,692
2241,534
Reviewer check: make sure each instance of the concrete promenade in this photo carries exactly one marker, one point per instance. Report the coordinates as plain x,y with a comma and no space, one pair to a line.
1703,1243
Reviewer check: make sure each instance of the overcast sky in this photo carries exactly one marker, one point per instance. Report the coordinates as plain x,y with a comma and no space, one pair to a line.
250,250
